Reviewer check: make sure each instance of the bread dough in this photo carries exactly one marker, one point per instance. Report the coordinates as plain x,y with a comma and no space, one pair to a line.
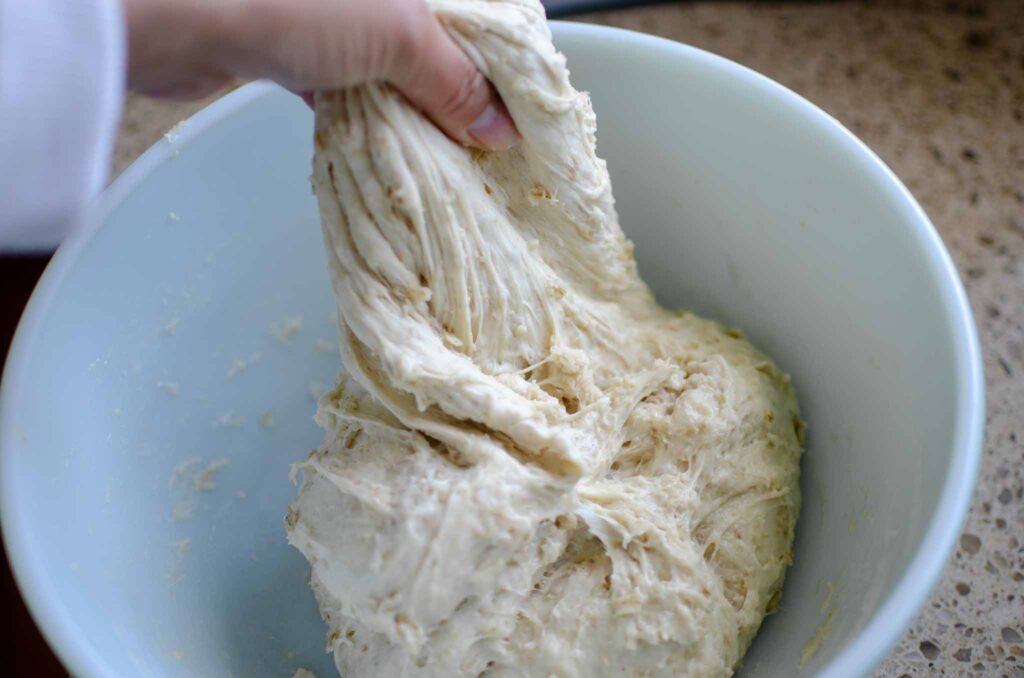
532,469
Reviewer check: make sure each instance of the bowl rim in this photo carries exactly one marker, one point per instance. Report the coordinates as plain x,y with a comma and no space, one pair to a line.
869,644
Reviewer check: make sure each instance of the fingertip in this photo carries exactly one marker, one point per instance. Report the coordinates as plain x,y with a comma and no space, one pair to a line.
440,79
494,129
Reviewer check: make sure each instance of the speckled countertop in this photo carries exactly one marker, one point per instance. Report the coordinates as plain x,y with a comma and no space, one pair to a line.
937,90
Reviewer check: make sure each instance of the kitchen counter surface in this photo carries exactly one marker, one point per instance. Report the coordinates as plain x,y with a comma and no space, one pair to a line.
937,90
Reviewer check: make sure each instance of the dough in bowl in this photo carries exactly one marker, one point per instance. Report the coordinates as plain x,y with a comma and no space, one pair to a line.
531,468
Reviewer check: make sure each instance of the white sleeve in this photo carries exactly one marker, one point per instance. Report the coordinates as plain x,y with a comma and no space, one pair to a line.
62,76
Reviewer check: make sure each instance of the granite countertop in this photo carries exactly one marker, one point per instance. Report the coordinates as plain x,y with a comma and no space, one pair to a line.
937,90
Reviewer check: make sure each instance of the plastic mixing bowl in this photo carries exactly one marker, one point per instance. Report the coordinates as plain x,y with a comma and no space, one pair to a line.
162,339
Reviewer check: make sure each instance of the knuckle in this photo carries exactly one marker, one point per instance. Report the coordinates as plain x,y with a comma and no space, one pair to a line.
460,102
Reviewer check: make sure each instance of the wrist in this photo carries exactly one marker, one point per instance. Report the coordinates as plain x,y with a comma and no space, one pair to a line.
176,47
238,33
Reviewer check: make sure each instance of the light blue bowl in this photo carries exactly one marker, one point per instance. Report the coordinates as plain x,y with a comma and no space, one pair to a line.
745,202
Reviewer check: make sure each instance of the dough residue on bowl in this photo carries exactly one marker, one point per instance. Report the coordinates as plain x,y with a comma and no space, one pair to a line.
532,469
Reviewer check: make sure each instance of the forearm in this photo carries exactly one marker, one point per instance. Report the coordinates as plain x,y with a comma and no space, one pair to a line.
179,48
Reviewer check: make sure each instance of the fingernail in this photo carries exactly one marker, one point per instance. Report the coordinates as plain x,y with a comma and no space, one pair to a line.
494,129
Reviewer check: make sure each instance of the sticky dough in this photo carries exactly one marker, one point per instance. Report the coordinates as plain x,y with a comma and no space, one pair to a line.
532,469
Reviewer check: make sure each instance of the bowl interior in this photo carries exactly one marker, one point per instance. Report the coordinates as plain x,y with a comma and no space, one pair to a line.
162,342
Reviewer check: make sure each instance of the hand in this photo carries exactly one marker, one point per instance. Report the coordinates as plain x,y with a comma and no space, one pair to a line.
190,48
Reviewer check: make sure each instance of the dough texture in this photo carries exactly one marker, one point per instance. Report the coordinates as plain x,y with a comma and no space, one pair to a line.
531,468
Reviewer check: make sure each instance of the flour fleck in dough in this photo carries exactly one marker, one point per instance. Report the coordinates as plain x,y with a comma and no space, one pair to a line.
241,363
228,420
184,509
204,480
180,549
169,387
532,469
286,329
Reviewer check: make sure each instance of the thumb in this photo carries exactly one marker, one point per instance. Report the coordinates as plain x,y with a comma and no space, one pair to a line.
437,77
